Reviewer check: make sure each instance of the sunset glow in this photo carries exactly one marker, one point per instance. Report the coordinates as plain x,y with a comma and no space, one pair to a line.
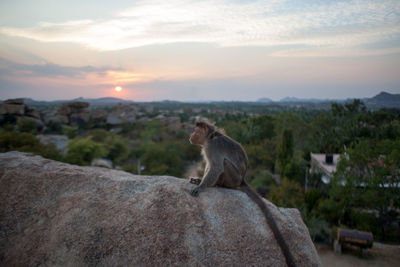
190,50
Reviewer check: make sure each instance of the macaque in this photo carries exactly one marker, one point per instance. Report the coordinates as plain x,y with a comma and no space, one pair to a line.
226,166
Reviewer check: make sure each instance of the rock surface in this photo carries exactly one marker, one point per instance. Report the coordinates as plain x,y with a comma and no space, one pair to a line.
122,113
56,214
17,109
77,113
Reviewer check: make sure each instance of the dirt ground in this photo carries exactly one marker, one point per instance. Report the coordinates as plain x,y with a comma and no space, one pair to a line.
379,255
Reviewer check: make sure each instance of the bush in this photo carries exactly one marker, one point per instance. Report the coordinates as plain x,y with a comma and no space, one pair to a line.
318,227
70,131
163,159
27,142
83,151
262,181
288,194
27,126
54,128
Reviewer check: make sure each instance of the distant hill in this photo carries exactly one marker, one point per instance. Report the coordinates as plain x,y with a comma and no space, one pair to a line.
383,99
103,100
265,100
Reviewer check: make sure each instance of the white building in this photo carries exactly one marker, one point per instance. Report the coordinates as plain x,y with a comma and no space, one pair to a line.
325,164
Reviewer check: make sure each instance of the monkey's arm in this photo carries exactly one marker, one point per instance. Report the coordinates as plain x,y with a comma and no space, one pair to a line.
197,181
211,175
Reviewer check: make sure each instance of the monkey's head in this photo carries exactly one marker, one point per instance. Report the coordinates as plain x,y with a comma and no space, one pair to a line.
200,133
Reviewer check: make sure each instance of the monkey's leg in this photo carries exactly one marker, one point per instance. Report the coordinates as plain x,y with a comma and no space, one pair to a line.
210,178
230,178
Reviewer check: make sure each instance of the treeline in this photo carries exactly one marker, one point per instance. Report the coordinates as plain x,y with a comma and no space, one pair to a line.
365,193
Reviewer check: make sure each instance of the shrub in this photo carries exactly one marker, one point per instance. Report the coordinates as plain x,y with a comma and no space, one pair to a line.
83,151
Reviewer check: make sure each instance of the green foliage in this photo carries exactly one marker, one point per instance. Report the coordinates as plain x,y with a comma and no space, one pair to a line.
318,227
152,131
285,150
70,131
54,128
289,194
261,155
260,128
191,152
311,199
27,142
367,179
163,159
262,182
295,170
82,151
115,146
26,126
324,135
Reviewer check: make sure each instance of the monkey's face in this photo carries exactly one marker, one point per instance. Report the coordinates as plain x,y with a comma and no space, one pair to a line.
198,137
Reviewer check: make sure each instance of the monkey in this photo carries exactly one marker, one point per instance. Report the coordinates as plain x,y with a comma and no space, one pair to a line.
226,166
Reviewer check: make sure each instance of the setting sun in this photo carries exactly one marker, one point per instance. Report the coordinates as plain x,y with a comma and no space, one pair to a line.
118,88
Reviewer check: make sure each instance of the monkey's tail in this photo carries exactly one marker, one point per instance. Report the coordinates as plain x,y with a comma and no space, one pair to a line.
271,222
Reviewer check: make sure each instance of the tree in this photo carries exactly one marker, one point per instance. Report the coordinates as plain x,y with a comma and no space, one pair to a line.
285,151
368,179
114,145
288,194
260,128
27,126
163,158
82,151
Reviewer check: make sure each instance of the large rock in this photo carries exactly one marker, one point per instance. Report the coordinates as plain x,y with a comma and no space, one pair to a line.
55,214
51,116
30,112
12,109
15,101
72,113
98,115
68,108
123,113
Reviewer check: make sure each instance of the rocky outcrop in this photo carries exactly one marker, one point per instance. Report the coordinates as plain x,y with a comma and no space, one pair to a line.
76,112
123,113
51,116
15,101
20,111
55,214
12,109
98,115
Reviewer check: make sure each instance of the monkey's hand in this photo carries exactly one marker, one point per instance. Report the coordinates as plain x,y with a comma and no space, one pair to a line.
195,191
195,181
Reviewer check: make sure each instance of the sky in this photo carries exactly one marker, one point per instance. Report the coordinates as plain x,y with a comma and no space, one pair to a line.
192,50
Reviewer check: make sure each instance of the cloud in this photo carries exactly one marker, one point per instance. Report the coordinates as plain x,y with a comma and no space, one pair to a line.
50,70
84,75
334,25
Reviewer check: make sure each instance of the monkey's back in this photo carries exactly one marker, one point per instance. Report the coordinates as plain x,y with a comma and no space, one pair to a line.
230,150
